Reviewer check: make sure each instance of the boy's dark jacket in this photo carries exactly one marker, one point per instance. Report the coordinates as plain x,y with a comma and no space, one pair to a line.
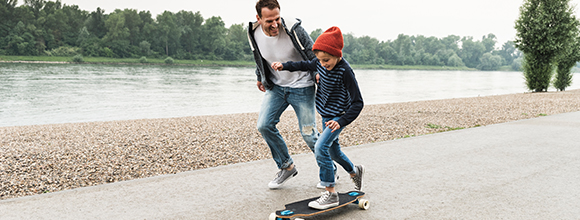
300,38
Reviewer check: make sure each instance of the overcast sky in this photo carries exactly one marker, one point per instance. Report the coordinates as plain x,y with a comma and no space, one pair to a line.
381,19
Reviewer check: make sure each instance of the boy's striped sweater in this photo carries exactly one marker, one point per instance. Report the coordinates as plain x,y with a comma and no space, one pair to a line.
338,94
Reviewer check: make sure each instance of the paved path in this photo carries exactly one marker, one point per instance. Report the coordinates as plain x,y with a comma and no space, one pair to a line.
527,169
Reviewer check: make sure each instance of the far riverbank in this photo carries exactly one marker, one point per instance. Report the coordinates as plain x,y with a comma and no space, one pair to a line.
226,63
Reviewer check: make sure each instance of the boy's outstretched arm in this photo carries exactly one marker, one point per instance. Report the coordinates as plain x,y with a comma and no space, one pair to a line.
295,66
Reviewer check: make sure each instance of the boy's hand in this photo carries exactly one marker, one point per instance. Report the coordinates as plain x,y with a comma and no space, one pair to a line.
317,78
277,66
332,125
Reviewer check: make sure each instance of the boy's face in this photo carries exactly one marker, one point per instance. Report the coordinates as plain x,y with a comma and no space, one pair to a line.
270,21
328,61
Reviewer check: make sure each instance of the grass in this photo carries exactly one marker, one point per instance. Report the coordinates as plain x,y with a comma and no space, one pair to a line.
433,126
137,61
35,58
446,128
396,67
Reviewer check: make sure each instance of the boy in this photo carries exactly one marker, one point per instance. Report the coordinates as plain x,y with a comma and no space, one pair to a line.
339,102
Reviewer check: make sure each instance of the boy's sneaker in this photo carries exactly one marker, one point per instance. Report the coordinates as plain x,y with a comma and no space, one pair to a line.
282,176
358,177
327,200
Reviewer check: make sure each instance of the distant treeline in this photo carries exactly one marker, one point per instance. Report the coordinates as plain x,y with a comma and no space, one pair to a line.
47,28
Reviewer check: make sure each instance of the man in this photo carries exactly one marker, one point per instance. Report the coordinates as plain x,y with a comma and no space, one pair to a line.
272,39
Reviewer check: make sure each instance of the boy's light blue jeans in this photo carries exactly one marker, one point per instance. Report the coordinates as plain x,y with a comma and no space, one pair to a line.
274,104
326,150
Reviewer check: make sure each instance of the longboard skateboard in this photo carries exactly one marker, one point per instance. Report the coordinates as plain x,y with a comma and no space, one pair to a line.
301,209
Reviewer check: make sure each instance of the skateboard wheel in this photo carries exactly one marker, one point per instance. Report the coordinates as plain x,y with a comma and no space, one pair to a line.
272,216
364,204
298,219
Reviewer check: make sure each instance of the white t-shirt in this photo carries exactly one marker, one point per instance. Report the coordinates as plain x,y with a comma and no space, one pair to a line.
281,49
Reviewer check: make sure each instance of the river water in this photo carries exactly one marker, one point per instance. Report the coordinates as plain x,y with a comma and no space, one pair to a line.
33,94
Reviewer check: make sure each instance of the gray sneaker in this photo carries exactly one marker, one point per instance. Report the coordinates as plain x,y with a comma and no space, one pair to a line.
327,200
282,176
358,178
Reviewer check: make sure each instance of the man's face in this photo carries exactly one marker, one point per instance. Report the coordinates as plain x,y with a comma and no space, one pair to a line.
270,21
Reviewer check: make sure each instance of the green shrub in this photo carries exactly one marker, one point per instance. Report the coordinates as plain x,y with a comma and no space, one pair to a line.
78,58
169,60
106,52
65,51
143,60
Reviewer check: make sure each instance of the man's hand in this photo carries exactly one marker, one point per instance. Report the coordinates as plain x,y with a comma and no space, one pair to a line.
261,87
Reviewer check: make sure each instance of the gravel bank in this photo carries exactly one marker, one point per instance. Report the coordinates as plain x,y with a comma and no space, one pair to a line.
48,158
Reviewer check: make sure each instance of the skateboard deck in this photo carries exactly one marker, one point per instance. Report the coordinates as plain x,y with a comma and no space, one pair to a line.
301,209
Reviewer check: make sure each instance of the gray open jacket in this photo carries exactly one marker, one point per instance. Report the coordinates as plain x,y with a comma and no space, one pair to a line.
300,38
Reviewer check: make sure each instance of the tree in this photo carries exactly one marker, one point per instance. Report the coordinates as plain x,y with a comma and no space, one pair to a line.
83,36
169,31
454,60
545,29
213,39
236,43
96,23
133,23
367,54
14,41
429,45
35,5
471,51
565,63
115,25
145,47
7,21
403,45
117,37
191,24
74,19
315,33
517,64
489,62
489,42
149,31
451,42
445,54
350,45
509,52
387,53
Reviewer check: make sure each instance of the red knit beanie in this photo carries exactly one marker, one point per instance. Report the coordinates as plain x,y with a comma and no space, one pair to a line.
330,41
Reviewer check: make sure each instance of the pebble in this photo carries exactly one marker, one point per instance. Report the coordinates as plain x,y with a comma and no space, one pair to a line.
49,158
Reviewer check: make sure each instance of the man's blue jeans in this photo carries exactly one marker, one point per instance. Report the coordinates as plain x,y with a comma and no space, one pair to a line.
326,150
274,104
